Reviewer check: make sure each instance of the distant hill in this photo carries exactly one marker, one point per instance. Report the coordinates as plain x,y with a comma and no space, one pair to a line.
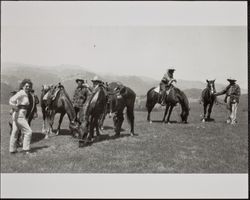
5,92
13,73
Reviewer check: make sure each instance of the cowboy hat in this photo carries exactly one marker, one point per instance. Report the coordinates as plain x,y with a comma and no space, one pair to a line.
231,79
96,79
170,70
79,79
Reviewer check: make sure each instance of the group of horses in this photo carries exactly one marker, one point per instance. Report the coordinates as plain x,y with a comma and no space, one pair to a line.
108,99
97,104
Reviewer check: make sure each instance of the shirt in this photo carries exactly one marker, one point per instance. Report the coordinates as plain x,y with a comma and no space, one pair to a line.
20,98
233,91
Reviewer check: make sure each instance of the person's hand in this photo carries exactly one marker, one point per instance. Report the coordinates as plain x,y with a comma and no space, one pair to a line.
15,108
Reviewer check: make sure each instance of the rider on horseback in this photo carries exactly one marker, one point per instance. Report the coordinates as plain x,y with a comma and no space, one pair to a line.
165,84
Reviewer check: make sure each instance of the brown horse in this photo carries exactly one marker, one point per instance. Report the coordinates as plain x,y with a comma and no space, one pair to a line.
58,101
208,98
174,96
119,98
90,115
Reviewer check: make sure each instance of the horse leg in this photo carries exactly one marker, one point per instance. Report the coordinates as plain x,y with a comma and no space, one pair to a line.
91,129
209,110
165,113
149,108
50,120
44,127
131,119
204,112
44,120
59,123
118,120
101,120
96,124
169,114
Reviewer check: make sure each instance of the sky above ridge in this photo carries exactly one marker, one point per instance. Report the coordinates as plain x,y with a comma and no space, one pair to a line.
201,41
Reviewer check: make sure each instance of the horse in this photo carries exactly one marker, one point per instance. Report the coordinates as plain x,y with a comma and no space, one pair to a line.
45,89
31,110
57,101
91,113
174,96
208,98
119,98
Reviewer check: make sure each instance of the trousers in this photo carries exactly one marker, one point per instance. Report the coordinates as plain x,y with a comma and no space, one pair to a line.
233,112
20,123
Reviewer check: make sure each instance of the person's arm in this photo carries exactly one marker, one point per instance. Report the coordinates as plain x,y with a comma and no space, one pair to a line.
14,99
222,92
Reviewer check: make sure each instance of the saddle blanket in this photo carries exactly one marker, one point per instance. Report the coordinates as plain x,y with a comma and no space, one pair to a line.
157,89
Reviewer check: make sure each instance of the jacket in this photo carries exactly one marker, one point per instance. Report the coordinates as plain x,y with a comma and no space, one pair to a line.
232,91
79,97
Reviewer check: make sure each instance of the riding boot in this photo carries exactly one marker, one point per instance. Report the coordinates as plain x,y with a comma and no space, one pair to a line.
163,103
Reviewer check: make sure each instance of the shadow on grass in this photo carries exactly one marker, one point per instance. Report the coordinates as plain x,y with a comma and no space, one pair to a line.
160,121
37,136
108,127
35,149
64,132
209,120
104,137
111,128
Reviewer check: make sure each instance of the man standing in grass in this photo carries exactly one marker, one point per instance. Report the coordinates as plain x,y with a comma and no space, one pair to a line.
232,98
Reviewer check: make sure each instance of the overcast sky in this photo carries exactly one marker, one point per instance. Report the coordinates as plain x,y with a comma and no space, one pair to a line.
206,40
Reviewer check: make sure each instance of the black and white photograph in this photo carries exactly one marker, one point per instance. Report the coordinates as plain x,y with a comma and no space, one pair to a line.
124,99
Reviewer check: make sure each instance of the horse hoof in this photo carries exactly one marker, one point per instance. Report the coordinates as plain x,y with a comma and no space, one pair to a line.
81,143
132,134
203,120
150,122
46,137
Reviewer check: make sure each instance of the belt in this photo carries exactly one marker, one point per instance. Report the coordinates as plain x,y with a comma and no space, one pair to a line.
23,107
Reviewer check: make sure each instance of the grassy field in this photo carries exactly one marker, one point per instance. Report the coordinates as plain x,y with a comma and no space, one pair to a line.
196,147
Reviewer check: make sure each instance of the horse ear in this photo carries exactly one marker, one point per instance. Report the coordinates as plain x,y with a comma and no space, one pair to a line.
207,81
214,80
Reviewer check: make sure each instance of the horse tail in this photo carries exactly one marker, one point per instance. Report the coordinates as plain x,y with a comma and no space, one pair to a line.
148,101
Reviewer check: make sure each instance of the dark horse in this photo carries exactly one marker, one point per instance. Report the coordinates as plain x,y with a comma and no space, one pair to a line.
91,113
57,101
31,110
174,96
208,98
119,98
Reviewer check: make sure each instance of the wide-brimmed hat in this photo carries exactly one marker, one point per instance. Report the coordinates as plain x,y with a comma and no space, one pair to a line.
170,70
231,79
79,79
96,79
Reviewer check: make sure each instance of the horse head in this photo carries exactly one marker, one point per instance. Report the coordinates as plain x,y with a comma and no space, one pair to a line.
211,86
